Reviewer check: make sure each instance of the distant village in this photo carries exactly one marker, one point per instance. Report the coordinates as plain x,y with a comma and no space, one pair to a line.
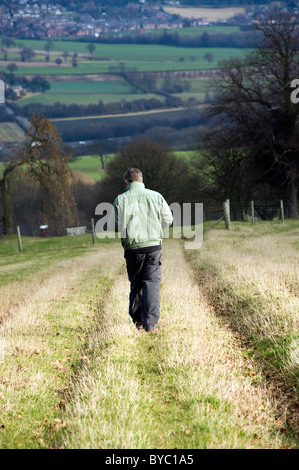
42,20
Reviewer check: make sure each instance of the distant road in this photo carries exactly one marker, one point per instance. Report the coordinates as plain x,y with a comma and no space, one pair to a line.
212,14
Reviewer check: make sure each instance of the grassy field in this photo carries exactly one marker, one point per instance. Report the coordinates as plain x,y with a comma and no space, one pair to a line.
88,92
81,92
11,132
212,14
189,31
89,165
122,52
143,58
220,372
148,58
85,98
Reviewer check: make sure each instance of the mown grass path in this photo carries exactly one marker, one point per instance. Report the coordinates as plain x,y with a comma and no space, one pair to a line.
187,386
75,373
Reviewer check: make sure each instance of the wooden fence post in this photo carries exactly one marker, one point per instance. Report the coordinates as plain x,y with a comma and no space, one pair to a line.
93,232
252,211
19,238
281,211
226,213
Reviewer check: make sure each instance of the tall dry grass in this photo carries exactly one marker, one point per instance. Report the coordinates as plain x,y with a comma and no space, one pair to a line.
251,275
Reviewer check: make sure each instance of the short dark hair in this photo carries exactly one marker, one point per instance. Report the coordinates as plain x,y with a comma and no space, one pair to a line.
133,174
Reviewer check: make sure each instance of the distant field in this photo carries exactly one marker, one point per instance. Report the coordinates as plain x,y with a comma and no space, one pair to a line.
140,57
197,31
87,92
212,14
83,93
10,132
87,87
90,165
85,98
198,89
118,52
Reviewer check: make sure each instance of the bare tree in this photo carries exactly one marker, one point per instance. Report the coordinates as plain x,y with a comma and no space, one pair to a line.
254,136
43,158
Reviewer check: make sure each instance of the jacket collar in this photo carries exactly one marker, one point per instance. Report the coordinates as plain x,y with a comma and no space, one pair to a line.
135,184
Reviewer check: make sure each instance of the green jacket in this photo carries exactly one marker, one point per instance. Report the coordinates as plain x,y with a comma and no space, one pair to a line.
141,215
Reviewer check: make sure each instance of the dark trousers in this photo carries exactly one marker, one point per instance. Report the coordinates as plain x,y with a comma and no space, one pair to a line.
144,272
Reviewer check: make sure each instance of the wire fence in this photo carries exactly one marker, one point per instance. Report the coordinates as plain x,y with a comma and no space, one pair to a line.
237,211
51,230
245,211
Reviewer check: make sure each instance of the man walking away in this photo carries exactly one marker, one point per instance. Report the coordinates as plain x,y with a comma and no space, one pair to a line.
141,215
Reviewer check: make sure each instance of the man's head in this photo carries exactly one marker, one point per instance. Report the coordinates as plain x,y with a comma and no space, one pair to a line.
133,174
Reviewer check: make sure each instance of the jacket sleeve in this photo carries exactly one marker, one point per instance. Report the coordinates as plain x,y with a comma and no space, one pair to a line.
113,217
166,215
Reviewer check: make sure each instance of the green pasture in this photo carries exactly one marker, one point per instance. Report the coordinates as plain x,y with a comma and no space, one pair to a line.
125,52
83,93
89,92
10,132
90,165
87,87
189,31
198,88
148,58
85,98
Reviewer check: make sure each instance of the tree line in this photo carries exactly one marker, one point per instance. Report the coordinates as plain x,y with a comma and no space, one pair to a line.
62,110
247,38
72,131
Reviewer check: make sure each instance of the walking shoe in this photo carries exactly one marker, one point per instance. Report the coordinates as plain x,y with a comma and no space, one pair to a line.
153,329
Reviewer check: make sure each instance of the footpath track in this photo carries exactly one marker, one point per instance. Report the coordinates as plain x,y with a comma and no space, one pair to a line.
187,386
75,373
